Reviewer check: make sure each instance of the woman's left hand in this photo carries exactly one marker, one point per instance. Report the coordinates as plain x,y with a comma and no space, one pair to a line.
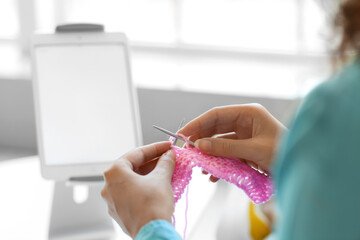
138,187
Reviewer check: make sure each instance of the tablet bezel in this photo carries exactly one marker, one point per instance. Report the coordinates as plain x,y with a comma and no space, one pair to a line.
66,172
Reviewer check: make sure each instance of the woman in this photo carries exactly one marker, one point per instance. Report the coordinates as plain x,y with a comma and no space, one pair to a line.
315,172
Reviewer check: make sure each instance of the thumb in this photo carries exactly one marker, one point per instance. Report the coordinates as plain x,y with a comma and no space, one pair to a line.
166,165
231,148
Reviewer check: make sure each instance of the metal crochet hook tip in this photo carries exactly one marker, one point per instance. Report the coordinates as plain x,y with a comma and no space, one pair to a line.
172,134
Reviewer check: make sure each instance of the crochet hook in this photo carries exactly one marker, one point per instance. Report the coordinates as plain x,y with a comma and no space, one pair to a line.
172,134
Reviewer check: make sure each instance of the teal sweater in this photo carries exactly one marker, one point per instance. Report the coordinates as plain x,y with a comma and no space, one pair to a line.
317,172
157,230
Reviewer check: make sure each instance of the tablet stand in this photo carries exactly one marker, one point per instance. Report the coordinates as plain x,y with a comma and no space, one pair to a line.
89,220
72,221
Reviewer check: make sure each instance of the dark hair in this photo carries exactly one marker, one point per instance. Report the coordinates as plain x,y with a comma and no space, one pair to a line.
347,24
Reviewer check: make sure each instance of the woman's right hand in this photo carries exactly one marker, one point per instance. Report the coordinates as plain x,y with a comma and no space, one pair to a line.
248,132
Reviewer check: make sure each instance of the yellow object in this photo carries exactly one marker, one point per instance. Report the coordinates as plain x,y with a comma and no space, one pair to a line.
259,228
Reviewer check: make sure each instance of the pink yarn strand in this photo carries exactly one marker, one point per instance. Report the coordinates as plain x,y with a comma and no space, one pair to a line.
186,211
173,218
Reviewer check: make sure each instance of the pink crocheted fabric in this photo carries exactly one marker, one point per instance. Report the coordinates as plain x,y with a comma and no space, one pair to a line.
256,185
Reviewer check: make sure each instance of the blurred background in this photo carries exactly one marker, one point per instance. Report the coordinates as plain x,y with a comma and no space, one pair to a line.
188,55
261,47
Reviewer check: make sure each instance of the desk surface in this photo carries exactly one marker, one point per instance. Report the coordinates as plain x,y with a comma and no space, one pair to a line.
25,202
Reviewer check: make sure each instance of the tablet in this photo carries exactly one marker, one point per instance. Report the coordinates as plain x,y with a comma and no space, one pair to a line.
85,104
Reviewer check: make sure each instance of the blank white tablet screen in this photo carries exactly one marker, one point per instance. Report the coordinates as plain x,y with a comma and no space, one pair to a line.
85,103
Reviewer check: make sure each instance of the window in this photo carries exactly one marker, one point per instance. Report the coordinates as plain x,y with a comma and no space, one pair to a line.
275,25
9,24
194,44
261,25
10,58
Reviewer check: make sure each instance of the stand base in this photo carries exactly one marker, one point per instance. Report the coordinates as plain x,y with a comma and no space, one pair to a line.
73,221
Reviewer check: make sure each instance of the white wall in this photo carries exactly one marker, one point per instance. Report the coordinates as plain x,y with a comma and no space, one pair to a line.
17,123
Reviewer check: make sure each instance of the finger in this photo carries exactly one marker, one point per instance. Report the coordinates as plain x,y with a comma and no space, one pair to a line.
221,120
118,170
166,165
147,167
240,149
193,138
104,193
141,155
106,196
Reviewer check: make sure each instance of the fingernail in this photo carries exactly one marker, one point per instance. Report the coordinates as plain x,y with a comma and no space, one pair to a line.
203,145
170,153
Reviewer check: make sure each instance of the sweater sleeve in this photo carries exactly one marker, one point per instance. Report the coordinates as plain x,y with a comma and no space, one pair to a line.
158,230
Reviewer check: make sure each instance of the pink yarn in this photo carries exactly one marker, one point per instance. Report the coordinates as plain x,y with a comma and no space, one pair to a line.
186,211
256,185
